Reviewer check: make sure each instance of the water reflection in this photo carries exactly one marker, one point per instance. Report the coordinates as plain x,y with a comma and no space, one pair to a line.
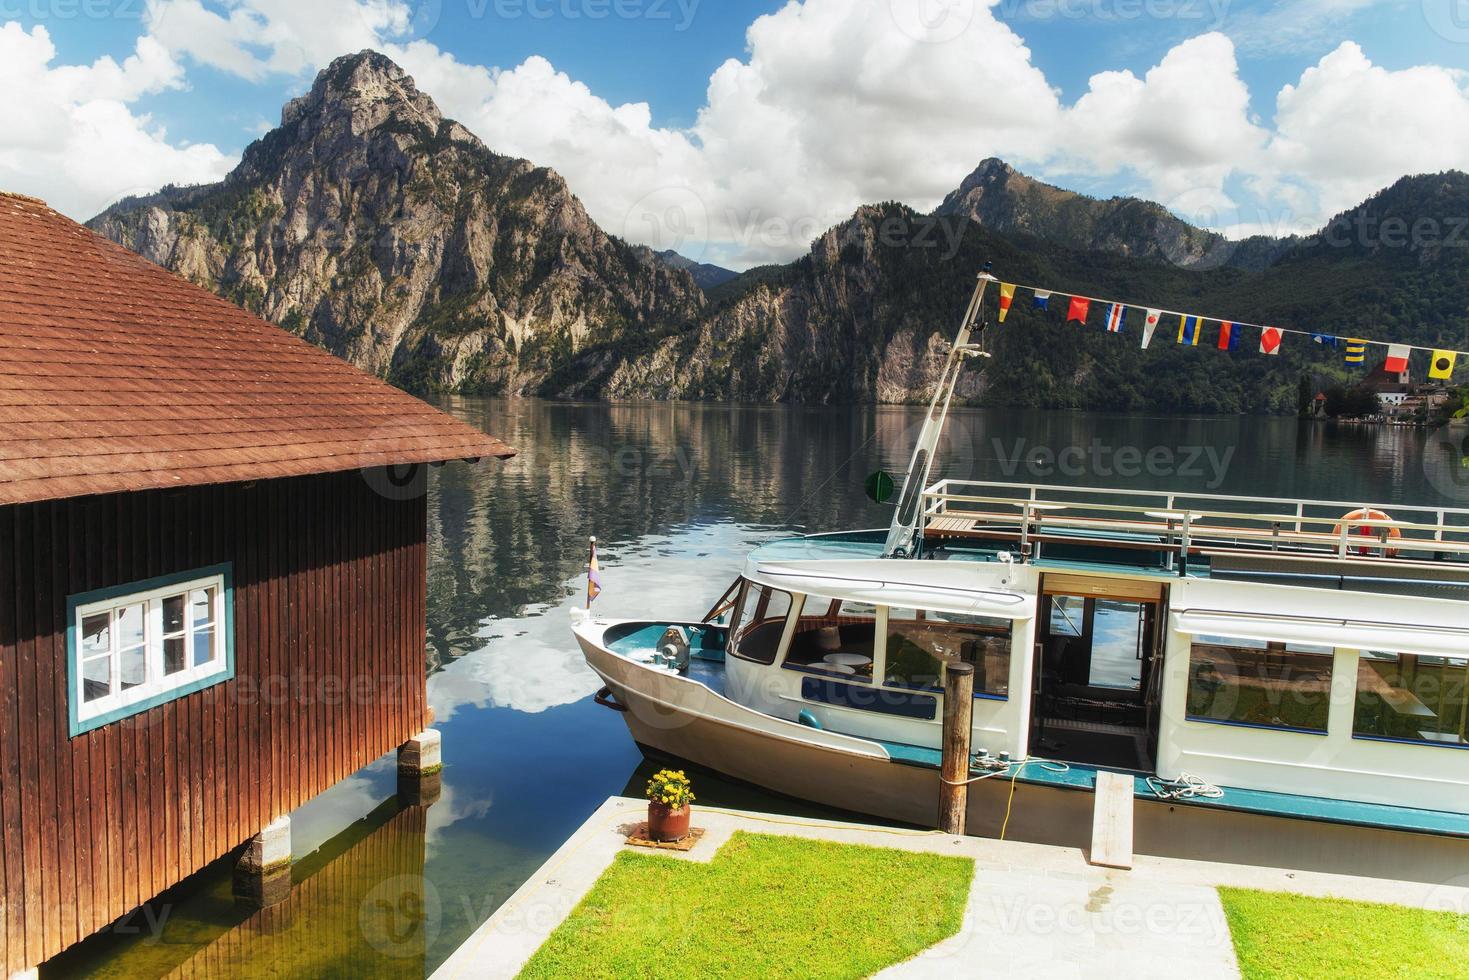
677,495
359,906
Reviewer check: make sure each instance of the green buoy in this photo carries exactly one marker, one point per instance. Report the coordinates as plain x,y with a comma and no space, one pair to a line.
879,487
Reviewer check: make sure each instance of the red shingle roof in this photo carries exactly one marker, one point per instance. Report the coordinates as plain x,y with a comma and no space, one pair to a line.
118,375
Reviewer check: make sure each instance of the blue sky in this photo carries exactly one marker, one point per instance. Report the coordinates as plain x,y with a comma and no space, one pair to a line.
819,105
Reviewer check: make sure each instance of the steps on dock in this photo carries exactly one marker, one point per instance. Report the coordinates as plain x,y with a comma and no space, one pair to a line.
1112,821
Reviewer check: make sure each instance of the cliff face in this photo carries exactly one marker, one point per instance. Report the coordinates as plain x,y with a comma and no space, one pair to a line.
369,224
372,226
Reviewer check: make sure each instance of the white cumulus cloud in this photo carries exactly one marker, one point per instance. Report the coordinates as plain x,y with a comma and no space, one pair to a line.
68,134
834,104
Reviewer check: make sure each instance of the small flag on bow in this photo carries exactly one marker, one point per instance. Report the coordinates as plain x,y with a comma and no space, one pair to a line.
1150,326
1270,340
1007,296
1188,330
1441,368
1116,318
1356,351
1397,359
1228,335
1042,299
594,576
1080,306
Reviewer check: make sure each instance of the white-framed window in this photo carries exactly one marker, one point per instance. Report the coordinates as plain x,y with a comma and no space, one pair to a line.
133,648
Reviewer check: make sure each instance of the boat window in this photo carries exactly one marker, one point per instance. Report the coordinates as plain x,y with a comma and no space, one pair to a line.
1261,683
920,643
836,638
1068,615
761,621
1410,698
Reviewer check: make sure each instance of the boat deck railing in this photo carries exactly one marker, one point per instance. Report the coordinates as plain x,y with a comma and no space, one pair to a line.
1184,525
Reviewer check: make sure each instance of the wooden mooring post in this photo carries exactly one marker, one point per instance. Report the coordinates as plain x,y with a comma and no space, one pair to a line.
958,718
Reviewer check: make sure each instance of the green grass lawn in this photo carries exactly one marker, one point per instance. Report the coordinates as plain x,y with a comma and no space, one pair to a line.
780,906
1279,935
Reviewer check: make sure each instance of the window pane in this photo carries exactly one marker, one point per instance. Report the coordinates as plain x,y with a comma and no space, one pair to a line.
201,607
1412,698
173,655
97,635
131,624
173,614
816,606
1068,615
1270,684
203,646
96,679
133,670
840,643
918,650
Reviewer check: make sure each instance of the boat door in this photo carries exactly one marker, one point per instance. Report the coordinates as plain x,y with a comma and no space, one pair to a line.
1097,664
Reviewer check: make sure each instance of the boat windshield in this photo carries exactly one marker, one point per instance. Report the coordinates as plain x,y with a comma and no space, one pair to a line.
759,623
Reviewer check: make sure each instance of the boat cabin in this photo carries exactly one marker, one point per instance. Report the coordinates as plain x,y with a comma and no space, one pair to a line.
1246,642
212,577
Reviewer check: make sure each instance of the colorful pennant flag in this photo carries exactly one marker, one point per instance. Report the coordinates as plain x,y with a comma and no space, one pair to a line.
1042,299
1356,351
1228,336
1188,330
1080,306
1441,368
1324,339
1397,359
1007,296
1150,326
594,576
1116,318
1270,340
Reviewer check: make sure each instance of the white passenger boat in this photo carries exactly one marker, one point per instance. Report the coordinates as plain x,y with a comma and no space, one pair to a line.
1286,681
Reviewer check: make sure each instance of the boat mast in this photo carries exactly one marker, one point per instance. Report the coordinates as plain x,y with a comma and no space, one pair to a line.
905,519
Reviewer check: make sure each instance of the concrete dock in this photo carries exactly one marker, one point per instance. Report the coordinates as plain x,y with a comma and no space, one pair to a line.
1034,910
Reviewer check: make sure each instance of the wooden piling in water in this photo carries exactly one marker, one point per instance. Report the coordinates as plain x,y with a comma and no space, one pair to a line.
958,719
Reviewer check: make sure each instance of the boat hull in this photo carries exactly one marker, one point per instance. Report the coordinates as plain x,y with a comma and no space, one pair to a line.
682,719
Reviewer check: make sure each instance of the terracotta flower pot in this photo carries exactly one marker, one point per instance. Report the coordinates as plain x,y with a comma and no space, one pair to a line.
666,824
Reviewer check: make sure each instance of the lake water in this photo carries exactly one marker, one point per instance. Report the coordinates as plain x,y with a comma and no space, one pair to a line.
677,495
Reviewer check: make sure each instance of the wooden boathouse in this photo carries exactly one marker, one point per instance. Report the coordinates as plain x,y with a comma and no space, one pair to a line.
212,576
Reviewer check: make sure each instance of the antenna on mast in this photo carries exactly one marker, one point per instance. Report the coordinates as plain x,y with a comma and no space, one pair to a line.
900,543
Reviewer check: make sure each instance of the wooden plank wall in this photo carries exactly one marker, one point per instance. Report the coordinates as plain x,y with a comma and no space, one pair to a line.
329,604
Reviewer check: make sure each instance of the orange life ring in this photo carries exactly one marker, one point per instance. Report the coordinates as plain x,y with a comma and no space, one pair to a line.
1371,532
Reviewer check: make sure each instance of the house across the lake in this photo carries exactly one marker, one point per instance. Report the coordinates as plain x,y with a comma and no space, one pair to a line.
212,576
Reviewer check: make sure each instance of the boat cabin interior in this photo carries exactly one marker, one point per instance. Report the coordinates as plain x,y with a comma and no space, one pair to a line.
1096,686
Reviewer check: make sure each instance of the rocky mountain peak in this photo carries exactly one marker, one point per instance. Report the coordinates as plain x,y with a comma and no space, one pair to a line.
367,86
